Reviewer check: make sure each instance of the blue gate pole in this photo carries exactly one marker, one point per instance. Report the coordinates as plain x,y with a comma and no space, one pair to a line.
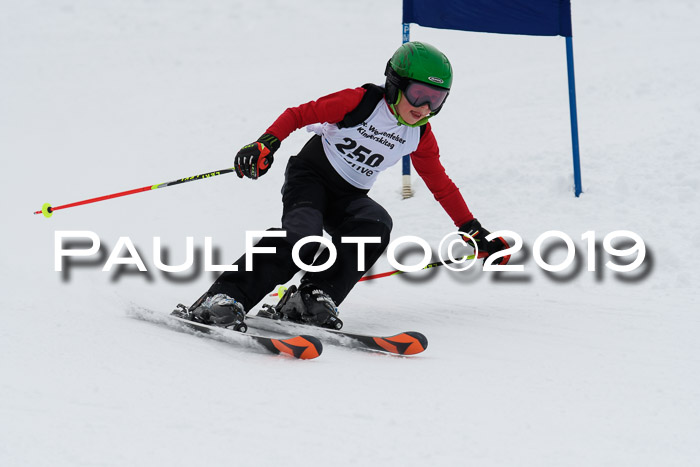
574,120
406,33
406,191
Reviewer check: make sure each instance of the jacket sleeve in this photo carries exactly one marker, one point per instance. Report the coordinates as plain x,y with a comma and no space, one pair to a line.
426,160
327,109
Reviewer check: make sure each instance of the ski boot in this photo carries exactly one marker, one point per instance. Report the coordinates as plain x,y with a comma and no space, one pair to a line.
309,305
216,310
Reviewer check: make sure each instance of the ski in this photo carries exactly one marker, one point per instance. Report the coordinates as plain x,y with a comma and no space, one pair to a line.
404,343
304,347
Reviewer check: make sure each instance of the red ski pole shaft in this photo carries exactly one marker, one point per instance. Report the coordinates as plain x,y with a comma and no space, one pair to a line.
47,210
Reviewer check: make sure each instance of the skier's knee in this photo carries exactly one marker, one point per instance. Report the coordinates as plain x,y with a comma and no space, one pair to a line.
370,211
302,222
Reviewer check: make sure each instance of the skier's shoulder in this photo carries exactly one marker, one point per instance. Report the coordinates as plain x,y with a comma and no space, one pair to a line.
371,95
426,129
427,144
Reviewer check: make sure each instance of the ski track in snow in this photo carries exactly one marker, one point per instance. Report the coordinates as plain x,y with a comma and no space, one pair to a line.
591,369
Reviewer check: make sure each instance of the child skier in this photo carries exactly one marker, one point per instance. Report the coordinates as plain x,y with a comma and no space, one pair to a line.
360,133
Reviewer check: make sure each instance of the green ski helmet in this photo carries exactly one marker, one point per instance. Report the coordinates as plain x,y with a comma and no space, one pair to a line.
417,62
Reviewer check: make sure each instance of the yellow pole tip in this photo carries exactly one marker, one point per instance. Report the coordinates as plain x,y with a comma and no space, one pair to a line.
46,209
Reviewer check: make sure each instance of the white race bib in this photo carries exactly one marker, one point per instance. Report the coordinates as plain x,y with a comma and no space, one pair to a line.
359,153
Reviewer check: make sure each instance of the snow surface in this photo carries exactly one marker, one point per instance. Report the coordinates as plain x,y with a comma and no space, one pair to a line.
573,368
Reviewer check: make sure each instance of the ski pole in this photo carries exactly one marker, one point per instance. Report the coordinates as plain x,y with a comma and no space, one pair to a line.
482,254
47,210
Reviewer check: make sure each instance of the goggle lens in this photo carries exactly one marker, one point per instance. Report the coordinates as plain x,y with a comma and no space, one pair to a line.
419,94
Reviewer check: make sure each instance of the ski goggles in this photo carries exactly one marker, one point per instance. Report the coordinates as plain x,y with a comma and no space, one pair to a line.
418,94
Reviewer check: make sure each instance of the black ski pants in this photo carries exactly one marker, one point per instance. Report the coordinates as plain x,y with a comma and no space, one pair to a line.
315,198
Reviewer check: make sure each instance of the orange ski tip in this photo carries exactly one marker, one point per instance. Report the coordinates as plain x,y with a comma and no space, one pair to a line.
302,347
406,343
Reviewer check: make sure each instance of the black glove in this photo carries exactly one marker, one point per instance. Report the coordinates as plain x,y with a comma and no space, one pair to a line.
253,160
479,234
